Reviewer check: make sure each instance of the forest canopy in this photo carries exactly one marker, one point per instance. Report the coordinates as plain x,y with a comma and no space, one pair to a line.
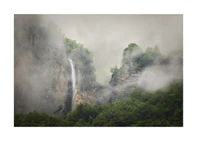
150,108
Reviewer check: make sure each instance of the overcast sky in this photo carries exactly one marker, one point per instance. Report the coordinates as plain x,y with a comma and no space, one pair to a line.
106,36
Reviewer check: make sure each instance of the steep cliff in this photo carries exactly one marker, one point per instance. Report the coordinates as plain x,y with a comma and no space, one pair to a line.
85,72
41,70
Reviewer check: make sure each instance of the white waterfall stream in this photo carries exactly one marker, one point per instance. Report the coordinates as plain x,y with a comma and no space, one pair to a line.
73,83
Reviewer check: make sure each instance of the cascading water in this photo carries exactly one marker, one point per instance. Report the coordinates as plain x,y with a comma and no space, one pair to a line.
73,83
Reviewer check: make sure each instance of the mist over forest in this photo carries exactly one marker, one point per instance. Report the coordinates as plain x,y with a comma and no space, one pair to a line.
98,70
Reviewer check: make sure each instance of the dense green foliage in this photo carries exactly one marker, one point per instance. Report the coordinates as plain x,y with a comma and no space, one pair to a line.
37,119
150,56
159,108
133,56
131,52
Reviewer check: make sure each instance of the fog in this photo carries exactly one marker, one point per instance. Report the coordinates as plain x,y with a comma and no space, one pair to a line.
41,72
106,36
157,76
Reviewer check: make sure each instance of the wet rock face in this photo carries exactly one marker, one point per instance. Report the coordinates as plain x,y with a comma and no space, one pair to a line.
68,99
41,70
126,74
84,98
126,77
122,81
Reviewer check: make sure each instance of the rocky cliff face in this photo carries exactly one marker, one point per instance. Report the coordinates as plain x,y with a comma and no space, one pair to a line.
126,77
41,70
122,81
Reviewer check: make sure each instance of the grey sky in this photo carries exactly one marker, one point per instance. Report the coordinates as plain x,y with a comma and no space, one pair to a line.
107,35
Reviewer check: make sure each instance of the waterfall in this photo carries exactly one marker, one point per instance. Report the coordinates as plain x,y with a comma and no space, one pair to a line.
73,83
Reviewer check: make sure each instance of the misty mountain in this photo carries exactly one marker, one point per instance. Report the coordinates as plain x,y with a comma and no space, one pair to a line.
55,79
